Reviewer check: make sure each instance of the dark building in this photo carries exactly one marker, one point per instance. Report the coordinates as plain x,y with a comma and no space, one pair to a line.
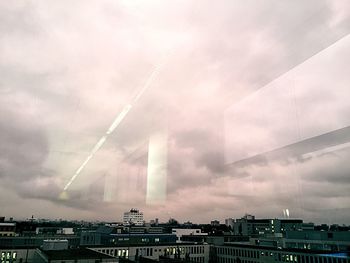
318,240
239,253
34,241
71,255
7,229
255,227
97,238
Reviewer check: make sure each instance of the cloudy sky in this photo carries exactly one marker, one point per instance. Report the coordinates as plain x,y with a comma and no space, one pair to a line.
243,104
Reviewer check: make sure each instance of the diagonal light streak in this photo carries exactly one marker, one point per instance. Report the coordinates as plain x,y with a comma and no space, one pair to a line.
120,117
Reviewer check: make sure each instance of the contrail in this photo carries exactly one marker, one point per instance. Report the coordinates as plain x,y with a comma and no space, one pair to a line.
120,117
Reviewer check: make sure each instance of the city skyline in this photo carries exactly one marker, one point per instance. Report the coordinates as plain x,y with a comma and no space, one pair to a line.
157,220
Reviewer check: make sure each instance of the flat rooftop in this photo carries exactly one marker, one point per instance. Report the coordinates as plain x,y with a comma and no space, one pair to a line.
295,250
147,245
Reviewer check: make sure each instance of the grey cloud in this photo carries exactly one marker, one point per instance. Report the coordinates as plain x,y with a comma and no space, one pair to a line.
330,169
19,19
24,146
94,59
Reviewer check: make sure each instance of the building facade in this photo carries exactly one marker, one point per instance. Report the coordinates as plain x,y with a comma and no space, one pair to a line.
255,227
133,217
7,229
180,232
190,251
239,253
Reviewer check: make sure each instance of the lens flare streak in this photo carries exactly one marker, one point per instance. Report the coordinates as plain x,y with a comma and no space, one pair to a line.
117,121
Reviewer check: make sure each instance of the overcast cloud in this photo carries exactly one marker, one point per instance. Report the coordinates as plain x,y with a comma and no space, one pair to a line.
68,68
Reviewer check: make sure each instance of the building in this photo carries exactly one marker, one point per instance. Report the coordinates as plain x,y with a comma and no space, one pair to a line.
154,221
318,240
10,255
229,222
307,239
54,230
239,253
55,244
191,251
133,235
250,226
133,217
139,239
214,240
82,255
35,241
215,222
7,229
179,232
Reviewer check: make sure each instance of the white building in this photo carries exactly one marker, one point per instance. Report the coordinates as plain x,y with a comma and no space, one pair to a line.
134,216
65,231
229,222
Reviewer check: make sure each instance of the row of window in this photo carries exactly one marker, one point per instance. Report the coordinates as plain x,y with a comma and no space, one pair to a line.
149,251
184,250
238,252
277,256
172,251
7,228
115,252
188,250
8,256
7,234
299,258
88,238
317,246
198,259
145,252
320,259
